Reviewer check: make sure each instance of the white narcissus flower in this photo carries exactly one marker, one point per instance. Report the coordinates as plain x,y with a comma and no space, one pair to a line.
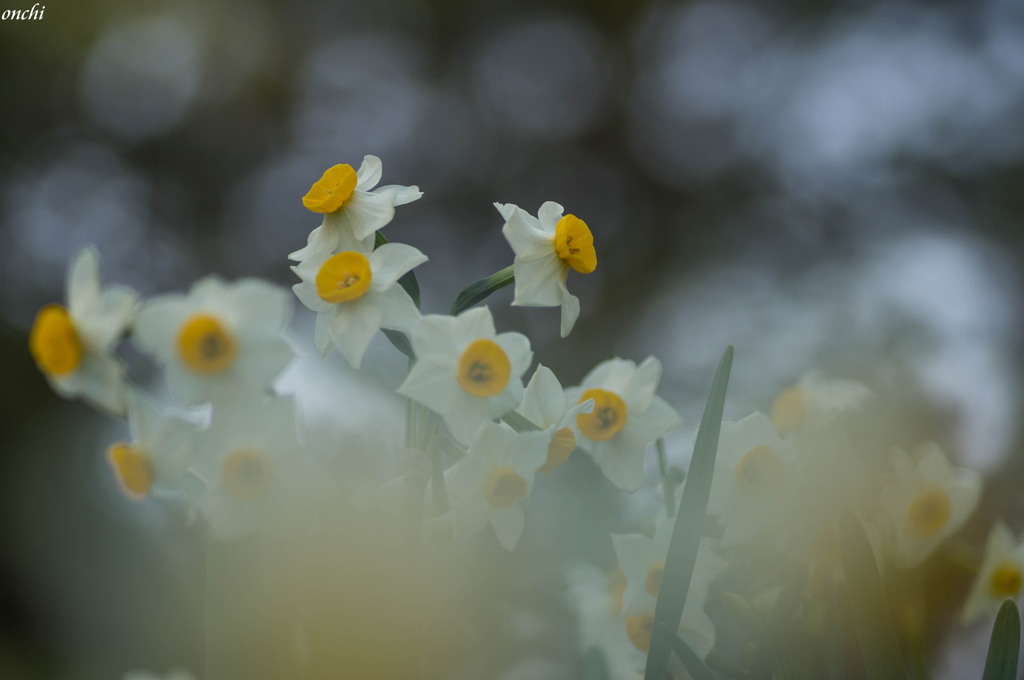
547,406
627,416
220,338
751,469
355,293
816,401
546,247
254,466
642,559
1000,576
488,484
73,345
160,452
465,371
927,502
351,205
596,596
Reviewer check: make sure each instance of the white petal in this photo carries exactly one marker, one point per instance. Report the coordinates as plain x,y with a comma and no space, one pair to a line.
524,233
570,310
549,215
353,328
157,325
642,384
611,374
473,324
320,240
434,335
262,308
369,173
106,319
398,311
658,420
508,525
365,213
403,195
622,464
466,413
517,348
537,281
99,380
306,292
543,400
432,385
635,554
391,261
322,332
83,281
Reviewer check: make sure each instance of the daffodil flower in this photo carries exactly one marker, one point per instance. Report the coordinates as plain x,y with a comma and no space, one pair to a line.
488,484
596,597
73,345
254,466
815,401
927,502
1000,576
546,247
351,205
750,476
465,370
158,455
219,338
547,406
642,559
627,416
354,292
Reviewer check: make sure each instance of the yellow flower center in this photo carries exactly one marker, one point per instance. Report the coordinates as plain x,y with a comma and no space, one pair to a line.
1006,580
484,368
343,277
760,471
563,443
616,589
929,512
790,409
54,342
638,628
652,583
608,417
205,345
132,469
575,244
332,190
504,487
246,474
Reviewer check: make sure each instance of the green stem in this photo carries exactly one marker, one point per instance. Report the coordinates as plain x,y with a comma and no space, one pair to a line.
480,290
518,422
670,493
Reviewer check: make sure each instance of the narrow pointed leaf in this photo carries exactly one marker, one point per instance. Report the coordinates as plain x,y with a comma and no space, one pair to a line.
872,617
693,506
479,290
689,658
519,422
1004,648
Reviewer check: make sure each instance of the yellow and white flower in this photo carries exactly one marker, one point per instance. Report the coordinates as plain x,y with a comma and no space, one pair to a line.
1000,576
627,416
815,401
73,345
219,338
254,466
488,484
596,597
354,292
927,502
465,370
642,559
546,248
160,451
351,205
547,406
751,469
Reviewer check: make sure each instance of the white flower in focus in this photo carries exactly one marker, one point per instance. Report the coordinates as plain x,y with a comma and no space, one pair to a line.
254,466
355,293
546,247
627,416
547,406
815,401
465,371
220,338
1000,576
160,451
596,597
927,502
489,483
751,469
351,206
73,346
643,561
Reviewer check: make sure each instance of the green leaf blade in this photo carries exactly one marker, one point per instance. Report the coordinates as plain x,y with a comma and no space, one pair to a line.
480,290
1004,647
691,661
682,551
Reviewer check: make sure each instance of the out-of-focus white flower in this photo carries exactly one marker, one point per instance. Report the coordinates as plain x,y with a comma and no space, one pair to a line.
488,484
643,561
751,468
160,451
597,599
355,293
547,406
815,401
1000,576
546,247
927,502
218,339
627,416
254,466
465,371
351,206
73,346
